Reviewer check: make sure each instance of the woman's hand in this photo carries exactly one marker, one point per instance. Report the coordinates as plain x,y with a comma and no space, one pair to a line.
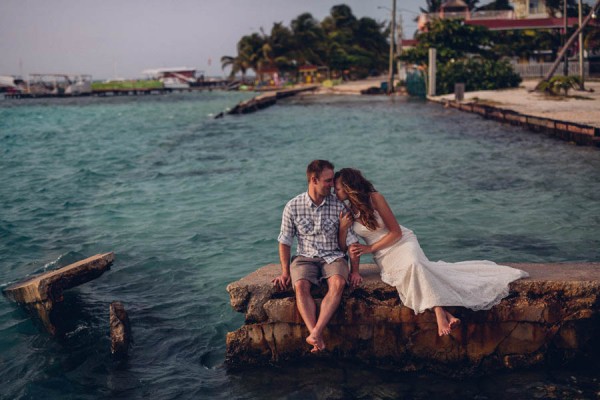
346,220
358,249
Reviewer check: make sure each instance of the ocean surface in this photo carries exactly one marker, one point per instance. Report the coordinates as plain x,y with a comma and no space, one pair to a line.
189,203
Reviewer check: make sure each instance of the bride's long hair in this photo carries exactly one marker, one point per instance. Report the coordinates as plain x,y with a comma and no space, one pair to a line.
359,190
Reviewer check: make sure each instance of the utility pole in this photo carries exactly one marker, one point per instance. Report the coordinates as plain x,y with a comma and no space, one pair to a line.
392,40
581,70
566,58
400,35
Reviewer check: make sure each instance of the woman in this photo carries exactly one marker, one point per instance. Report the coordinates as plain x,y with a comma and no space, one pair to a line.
421,284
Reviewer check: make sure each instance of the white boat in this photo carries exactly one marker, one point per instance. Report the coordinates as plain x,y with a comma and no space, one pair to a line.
60,84
79,84
173,78
174,83
9,83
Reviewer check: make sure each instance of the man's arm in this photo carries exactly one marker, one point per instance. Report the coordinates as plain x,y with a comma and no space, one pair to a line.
286,236
283,280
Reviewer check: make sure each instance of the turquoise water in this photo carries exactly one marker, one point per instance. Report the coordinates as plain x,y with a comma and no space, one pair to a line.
189,204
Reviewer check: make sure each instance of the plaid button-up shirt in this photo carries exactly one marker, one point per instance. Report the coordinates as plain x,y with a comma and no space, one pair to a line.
316,227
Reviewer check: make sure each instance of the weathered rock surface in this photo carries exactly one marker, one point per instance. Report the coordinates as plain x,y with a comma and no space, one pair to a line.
120,330
551,317
39,293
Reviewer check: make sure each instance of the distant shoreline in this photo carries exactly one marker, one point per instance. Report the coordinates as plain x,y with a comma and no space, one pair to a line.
579,107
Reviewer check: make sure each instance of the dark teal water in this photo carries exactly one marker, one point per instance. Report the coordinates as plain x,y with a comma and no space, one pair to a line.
189,204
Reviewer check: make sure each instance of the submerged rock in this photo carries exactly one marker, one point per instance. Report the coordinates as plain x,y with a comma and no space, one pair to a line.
120,330
551,317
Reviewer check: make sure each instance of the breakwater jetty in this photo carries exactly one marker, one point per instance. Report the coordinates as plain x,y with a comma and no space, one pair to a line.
550,318
266,100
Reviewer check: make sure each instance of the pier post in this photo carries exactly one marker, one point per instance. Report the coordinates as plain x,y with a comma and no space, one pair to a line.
432,71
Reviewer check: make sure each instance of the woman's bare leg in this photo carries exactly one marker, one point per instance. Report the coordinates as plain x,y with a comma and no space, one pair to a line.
452,320
442,321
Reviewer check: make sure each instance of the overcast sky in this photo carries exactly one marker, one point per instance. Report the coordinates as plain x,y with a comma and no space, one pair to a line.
121,38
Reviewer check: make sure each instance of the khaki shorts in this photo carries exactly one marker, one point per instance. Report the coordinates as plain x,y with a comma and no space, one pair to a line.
316,269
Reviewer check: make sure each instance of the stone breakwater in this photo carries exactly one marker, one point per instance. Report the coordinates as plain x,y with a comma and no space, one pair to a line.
551,318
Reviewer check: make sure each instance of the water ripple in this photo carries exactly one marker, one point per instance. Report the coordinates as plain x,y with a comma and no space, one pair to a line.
189,204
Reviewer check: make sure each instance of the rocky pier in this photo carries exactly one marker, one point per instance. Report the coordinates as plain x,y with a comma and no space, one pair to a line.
39,293
267,99
550,318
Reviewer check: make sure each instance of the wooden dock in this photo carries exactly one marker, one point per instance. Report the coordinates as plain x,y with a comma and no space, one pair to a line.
126,89
267,99
110,93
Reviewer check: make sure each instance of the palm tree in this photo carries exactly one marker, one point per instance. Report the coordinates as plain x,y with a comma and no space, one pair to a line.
236,64
251,49
280,46
309,40
340,42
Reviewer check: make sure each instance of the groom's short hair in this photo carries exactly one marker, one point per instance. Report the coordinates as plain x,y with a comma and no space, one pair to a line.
316,167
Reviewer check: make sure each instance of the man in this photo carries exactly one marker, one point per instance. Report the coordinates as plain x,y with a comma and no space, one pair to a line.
313,217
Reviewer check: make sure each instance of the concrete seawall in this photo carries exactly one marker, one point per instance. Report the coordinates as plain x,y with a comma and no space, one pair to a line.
570,131
574,118
552,317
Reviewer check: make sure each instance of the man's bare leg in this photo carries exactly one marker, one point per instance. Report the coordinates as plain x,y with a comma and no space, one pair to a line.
442,321
329,305
306,305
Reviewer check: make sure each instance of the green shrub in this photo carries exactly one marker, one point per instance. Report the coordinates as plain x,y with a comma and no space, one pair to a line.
476,74
559,83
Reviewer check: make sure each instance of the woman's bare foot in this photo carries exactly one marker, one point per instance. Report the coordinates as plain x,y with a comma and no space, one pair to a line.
316,341
442,321
453,322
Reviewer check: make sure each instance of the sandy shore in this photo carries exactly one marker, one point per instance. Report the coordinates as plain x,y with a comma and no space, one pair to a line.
581,106
352,87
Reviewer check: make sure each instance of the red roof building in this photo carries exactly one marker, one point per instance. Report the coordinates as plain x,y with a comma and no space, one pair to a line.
527,14
524,23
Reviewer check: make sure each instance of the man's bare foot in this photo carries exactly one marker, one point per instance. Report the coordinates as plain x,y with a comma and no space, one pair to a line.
442,321
453,322
316,341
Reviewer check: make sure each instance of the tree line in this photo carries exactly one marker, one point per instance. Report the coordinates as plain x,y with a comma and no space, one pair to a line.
340,41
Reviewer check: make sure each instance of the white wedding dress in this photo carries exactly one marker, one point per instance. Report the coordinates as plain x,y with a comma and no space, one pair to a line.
423,284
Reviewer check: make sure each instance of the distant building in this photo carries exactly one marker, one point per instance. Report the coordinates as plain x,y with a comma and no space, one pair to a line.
268,76
174,77
526,14
312,74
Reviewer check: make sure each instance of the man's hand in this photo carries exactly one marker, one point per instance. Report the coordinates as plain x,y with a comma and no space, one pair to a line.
282,281
355,279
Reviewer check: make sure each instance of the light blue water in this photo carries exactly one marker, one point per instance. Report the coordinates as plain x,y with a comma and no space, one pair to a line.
189,204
